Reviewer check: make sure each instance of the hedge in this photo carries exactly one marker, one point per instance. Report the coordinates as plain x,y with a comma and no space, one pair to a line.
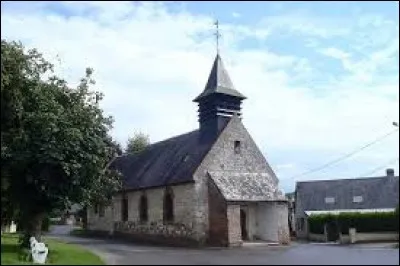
363,222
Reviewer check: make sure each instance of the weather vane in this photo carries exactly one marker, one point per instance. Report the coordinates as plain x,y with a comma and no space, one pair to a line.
217,34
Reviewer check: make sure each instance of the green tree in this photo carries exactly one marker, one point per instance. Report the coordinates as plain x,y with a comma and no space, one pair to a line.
137,143
55,140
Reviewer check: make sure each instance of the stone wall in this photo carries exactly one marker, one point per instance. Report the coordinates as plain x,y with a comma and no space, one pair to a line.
234,230
376,236
96,222
318,237
182,227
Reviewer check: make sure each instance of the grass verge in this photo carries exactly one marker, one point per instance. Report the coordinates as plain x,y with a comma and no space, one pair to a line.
60,253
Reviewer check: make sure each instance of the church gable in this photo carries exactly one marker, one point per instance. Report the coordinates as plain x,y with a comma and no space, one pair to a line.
238,168
235,150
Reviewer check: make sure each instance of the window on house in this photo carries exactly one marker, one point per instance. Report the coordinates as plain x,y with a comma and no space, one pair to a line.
101,210
168,206
124,209
357,199
237,147
329,200
143,210
96,208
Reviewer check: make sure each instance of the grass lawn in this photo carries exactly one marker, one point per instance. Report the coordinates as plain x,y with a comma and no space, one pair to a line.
60,253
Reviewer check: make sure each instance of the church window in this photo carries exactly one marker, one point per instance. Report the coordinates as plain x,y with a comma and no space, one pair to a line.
168,206
143,208
124,209
96,208
237,147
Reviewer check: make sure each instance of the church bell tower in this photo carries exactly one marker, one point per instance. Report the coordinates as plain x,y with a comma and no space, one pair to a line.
218,102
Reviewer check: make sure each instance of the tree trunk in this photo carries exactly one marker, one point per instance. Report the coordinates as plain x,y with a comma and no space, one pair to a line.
33,227
85,217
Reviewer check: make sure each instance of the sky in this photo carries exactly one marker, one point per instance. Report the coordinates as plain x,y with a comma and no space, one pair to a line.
321,78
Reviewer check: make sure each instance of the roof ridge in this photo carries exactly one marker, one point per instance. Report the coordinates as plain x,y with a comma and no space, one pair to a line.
339,179
173,137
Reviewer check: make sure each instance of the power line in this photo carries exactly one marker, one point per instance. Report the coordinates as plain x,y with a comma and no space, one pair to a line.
380,167
345,156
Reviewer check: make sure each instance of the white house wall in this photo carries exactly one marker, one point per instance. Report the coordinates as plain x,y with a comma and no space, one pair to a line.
272,220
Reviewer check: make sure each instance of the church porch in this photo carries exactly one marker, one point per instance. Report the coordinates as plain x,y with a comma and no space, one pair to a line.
257,223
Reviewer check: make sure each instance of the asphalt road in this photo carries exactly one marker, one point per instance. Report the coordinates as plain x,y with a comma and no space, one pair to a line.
118,252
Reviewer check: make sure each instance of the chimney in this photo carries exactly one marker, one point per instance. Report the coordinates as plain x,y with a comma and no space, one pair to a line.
390,172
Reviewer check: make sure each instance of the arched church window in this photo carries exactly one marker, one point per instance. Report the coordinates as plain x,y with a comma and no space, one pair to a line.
143,208
124,208
168,206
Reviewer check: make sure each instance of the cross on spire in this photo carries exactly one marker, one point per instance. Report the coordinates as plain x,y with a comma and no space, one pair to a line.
217,34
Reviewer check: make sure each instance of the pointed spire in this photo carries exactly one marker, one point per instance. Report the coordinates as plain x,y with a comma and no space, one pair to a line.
219,82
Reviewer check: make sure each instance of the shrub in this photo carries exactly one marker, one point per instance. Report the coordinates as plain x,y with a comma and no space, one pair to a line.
316,223
363,222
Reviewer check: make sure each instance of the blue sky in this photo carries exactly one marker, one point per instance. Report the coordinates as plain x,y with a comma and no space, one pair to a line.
322,78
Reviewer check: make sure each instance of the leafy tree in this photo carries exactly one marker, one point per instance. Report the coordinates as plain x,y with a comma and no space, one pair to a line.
137,143
55,139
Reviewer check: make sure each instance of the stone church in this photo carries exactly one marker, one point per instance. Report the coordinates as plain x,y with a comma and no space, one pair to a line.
210,186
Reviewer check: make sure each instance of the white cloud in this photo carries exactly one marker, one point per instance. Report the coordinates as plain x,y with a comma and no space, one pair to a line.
151,63
236,15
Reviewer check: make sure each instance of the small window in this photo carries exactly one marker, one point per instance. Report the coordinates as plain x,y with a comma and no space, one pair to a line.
357,199
329,200
101,210
143,210
237,147
96,208
124,209
168,206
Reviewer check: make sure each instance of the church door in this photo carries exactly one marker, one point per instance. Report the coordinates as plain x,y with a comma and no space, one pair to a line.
243,225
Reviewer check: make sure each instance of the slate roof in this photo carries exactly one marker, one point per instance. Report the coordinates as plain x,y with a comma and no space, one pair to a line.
219,82
377,193
168,162
246,186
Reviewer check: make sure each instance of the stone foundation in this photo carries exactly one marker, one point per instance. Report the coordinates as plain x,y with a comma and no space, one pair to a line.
158,232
